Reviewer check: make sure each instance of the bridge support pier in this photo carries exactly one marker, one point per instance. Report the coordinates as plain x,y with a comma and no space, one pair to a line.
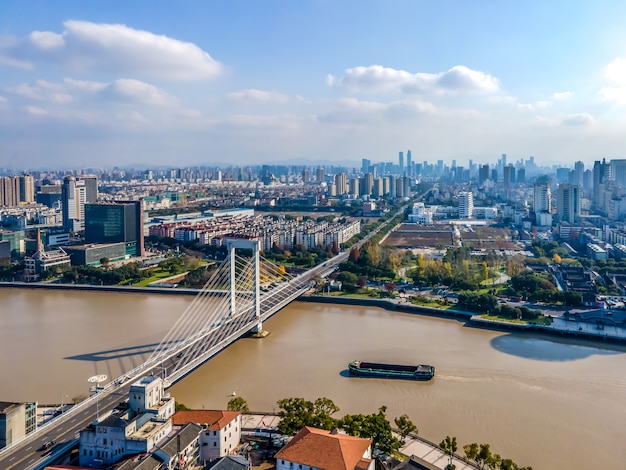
253,245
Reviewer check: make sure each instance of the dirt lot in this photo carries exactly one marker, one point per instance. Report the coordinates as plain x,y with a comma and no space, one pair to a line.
419,240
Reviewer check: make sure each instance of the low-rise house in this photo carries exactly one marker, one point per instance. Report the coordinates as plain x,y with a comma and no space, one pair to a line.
221,431
316,449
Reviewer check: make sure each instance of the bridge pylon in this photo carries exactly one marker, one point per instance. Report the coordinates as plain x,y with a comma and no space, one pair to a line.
248,244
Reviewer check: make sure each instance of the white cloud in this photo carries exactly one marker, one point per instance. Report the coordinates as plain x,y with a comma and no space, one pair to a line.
42,90
354,111
563,95
535,106
615,72
127,89
579,119
616,94
36,111
112,48
46,39
257,96
122,90
376,78
3,99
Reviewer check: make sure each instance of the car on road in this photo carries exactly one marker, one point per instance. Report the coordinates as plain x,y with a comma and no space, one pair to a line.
46,445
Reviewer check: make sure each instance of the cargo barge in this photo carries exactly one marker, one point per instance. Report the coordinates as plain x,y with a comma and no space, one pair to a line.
391,371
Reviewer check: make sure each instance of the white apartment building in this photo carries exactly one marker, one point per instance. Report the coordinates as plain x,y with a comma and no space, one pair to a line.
221,431
466,204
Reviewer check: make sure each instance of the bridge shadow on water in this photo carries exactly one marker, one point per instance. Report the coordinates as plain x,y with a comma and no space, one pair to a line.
550,349
119,353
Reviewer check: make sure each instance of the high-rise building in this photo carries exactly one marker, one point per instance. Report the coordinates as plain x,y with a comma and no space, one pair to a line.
466,204
509,175
27,188
365,165
319,174
542,198
521,175
49,195
9,191
401,161
91,188
484,173
116,223
579,170
306,176
354,186
568,202
409,163
367,185
378,189
341,182
600,172
73,198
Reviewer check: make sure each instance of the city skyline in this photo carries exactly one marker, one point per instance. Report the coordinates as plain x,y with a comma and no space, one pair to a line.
193,83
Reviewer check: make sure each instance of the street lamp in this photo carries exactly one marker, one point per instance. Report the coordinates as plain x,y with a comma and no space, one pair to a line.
97,379
62,405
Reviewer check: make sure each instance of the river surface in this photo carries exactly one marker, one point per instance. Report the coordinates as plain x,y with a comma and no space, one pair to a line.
542,401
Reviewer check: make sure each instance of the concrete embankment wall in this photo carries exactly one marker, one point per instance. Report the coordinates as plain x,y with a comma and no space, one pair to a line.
85,287
388,305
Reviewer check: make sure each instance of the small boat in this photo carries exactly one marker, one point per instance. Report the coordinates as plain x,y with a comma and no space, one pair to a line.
391,371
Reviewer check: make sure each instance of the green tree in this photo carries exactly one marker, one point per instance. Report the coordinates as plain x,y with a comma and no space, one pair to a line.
484,271
449,446
296,413
405,426
373,426
237,404
180,407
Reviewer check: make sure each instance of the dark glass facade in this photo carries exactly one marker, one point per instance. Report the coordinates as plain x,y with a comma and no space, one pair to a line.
115,223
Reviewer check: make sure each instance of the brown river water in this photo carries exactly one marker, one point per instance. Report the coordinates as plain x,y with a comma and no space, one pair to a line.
546,402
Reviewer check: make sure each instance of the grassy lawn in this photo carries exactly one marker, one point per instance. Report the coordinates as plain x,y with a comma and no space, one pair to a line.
539,321
157,275
432,304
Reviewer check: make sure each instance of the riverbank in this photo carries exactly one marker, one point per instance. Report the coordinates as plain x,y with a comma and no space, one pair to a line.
88,287
559,326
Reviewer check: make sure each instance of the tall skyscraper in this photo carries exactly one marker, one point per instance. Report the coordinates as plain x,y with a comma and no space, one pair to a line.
509,175
600,172
484,173
367,184
341,182
409,163
365,165
319,174
542,198
27,188
568,202
73,198
9,191
579,170
401,161
91,188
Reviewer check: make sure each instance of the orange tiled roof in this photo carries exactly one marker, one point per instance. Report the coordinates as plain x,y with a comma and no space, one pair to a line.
321,449
214,419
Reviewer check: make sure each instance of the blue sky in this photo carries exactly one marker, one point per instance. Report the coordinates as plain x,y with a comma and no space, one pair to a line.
191,82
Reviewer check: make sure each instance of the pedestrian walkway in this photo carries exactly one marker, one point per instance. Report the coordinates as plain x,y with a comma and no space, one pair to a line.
259,421
431,453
